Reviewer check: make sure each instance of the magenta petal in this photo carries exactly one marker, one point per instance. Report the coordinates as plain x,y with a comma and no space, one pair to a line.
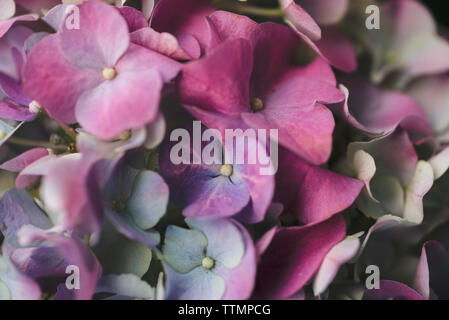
433,272
312,193
47,75
298,18
21,162
134,18
220,81
392,290
166,44
294,255
231,26
336,49
24,160
101,40
305,130
182,17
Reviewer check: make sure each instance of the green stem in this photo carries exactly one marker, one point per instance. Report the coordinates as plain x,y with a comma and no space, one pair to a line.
69,131
32,143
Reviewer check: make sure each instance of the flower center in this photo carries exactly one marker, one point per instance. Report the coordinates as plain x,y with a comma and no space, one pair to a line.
125,135
208,263
256,104
34,107
109,73
118,205
2,134
226,170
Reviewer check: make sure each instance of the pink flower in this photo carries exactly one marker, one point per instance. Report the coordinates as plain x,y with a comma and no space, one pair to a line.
95,76
248,79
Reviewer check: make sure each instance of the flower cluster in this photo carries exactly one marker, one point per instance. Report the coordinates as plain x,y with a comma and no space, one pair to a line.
118,182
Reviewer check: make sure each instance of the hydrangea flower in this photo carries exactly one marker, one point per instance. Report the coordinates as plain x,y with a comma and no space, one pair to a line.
40,253
94,60
255,85
218,189
134,201
395,181
213,259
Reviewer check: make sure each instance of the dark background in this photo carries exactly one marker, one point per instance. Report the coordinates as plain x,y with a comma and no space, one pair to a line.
440,10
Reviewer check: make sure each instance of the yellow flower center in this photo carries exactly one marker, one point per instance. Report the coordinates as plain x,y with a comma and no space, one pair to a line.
226,170
256,104
208,263
109,73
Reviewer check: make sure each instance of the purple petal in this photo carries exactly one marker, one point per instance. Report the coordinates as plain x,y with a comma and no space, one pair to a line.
75,253
392,290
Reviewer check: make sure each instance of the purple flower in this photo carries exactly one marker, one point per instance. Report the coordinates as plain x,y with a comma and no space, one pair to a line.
134,201
41,254
218,189
215,259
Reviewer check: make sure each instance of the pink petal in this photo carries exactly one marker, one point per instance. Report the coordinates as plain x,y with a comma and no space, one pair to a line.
120,104
182,17
167,44
53,82
220,81
298,18
392,290
101,40
134,18
305,130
